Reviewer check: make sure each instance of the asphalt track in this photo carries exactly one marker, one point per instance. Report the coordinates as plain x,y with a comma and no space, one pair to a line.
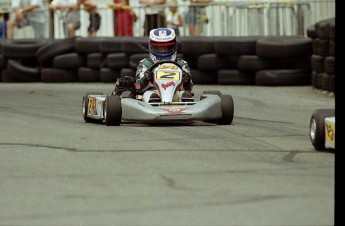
55,169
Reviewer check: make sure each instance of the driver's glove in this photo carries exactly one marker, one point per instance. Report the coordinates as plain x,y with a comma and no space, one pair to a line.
148,75
186,77
187,81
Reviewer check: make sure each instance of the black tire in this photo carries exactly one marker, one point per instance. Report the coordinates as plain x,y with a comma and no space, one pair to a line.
69,61
288,77
317,127
8,77
284,47
235,77
236,45
21,49
86,45
134,59
108,76
227,106
3,62
112,110
117,61
88,75
127,72
200,77
197,45
110,45
52,75
212,62
55,48
134,45
23,73
85,106
96,60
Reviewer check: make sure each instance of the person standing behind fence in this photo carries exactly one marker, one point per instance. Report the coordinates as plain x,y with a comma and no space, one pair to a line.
70,15
174,18
94,17
27,12
3,26
154,17
123,18
196,17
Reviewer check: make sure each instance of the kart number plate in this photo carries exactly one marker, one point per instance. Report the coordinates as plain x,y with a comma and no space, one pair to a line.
171,75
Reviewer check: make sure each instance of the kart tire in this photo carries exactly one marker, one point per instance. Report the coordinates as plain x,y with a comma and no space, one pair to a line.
317,127
227,107
85,106
112,110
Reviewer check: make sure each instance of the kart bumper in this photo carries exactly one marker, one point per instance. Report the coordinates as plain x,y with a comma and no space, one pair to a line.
206,109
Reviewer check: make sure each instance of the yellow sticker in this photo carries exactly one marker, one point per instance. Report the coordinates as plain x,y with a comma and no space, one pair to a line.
168,75
172,67
330,132
91,106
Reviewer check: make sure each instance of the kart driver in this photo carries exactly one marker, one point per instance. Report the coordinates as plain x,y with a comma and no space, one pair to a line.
162,46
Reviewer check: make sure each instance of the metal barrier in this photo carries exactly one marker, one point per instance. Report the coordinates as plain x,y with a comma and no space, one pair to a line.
225,18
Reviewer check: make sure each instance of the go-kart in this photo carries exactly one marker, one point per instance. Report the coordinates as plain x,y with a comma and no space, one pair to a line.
126,103
322,129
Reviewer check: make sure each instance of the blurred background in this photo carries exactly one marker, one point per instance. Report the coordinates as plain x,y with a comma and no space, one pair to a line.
224,17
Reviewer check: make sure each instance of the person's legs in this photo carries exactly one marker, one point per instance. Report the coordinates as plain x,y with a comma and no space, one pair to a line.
72,27
39,30
11,24
95,22
191,29
197,29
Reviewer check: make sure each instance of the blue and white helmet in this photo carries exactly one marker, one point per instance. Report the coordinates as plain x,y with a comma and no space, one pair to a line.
162,45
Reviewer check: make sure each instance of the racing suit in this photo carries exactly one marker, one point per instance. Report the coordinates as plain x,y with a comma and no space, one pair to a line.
145,84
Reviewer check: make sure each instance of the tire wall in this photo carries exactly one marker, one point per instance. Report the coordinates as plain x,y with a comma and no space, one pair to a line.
253,60
323,55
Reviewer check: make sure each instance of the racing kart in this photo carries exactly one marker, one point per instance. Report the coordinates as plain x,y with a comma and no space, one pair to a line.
126,103
322,129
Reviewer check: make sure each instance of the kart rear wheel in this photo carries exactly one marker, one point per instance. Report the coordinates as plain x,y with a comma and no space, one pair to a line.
317,127
112,110
227,107
85,105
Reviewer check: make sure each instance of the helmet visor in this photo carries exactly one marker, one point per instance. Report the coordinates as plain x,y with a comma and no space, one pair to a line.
163,48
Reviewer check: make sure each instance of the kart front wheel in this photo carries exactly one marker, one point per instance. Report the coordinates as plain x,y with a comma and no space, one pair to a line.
112,110
85,105
317,127
227,107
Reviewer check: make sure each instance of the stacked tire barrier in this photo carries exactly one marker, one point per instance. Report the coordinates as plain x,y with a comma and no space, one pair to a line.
323,58
255,60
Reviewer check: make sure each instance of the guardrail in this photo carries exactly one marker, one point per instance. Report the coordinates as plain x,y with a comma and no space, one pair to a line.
225,18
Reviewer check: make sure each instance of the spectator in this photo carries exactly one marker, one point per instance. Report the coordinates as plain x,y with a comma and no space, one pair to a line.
3,26
70,15
27,12
94,17
174,19
123,18
196,17
154,17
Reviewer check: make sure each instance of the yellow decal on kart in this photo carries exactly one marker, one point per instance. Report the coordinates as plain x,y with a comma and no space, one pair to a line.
169,75
330,132
91,106
172,67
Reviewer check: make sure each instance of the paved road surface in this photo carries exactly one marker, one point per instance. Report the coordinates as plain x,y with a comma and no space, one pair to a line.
55,169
